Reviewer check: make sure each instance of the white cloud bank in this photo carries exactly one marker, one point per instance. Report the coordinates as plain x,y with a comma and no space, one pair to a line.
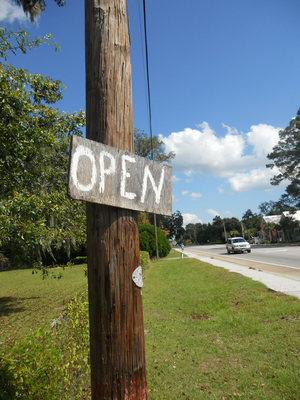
190,219
238,157
213,213
10,12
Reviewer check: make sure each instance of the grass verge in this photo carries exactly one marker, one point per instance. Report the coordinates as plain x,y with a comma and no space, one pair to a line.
27,302
175,254
246,344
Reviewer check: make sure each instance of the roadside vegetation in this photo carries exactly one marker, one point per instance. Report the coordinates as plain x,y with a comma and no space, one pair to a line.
209,333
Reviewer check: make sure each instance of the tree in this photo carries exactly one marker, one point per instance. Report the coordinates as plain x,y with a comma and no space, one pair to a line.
151,148
33,8
37,219
250,232
286,156
176,226
277,207
190,234
11,41
269,228
248,215
251,222
288,223
266,207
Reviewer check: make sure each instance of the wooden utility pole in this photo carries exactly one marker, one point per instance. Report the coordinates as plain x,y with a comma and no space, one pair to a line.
116,317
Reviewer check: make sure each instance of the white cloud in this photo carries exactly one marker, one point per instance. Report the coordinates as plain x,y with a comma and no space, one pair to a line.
190,219
11,12
195,196
221,189
213,212
175,179
241,158
263,138
254,180
230,130
228,213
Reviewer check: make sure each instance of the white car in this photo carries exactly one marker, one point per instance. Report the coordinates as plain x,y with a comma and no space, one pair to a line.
237,245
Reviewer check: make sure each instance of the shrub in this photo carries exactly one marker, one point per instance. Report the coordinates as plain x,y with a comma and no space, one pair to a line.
145,259
147,241
53,363
79,260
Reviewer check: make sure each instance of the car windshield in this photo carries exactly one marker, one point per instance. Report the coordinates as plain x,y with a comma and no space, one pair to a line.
238,240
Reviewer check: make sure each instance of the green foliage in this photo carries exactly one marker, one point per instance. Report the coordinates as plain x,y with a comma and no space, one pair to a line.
46,271
173,224
286,157
153,149
12,41
33,8
145,259
147,241
250,232
269,227
85,270
35,225
79,260
53,363
27,302
38,222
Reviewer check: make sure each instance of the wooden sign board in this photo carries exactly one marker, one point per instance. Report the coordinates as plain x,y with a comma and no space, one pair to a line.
102,174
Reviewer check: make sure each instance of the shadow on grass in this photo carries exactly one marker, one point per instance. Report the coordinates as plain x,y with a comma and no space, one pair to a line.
8,386
10,305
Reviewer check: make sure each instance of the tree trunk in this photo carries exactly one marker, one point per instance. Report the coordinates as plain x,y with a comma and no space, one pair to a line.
116,319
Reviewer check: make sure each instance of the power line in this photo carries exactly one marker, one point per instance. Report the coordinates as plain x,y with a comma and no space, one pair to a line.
148,79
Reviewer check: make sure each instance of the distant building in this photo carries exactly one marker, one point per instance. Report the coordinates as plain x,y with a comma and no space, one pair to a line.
290,223
272,236
290,227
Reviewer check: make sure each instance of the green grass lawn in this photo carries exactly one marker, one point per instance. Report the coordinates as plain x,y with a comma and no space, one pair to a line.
176,254
27,302
249,347
245,343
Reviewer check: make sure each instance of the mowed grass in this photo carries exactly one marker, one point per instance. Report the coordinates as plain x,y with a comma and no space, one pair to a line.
249,348
247,344
27,302
175,254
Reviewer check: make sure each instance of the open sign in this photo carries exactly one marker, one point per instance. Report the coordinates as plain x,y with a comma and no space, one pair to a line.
102,174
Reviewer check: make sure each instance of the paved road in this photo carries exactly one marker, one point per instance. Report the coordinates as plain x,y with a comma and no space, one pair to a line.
284,256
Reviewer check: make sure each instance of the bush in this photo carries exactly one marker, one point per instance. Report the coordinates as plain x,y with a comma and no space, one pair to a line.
145,259
147,241
50,364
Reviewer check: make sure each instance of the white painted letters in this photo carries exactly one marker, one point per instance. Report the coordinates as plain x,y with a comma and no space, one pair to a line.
157,190
125,175
105,175
83,151
108,171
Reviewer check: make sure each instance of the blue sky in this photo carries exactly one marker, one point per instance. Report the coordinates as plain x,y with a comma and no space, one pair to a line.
224,78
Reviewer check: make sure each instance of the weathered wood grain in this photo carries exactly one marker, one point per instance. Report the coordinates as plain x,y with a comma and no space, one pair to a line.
116,318
106,175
